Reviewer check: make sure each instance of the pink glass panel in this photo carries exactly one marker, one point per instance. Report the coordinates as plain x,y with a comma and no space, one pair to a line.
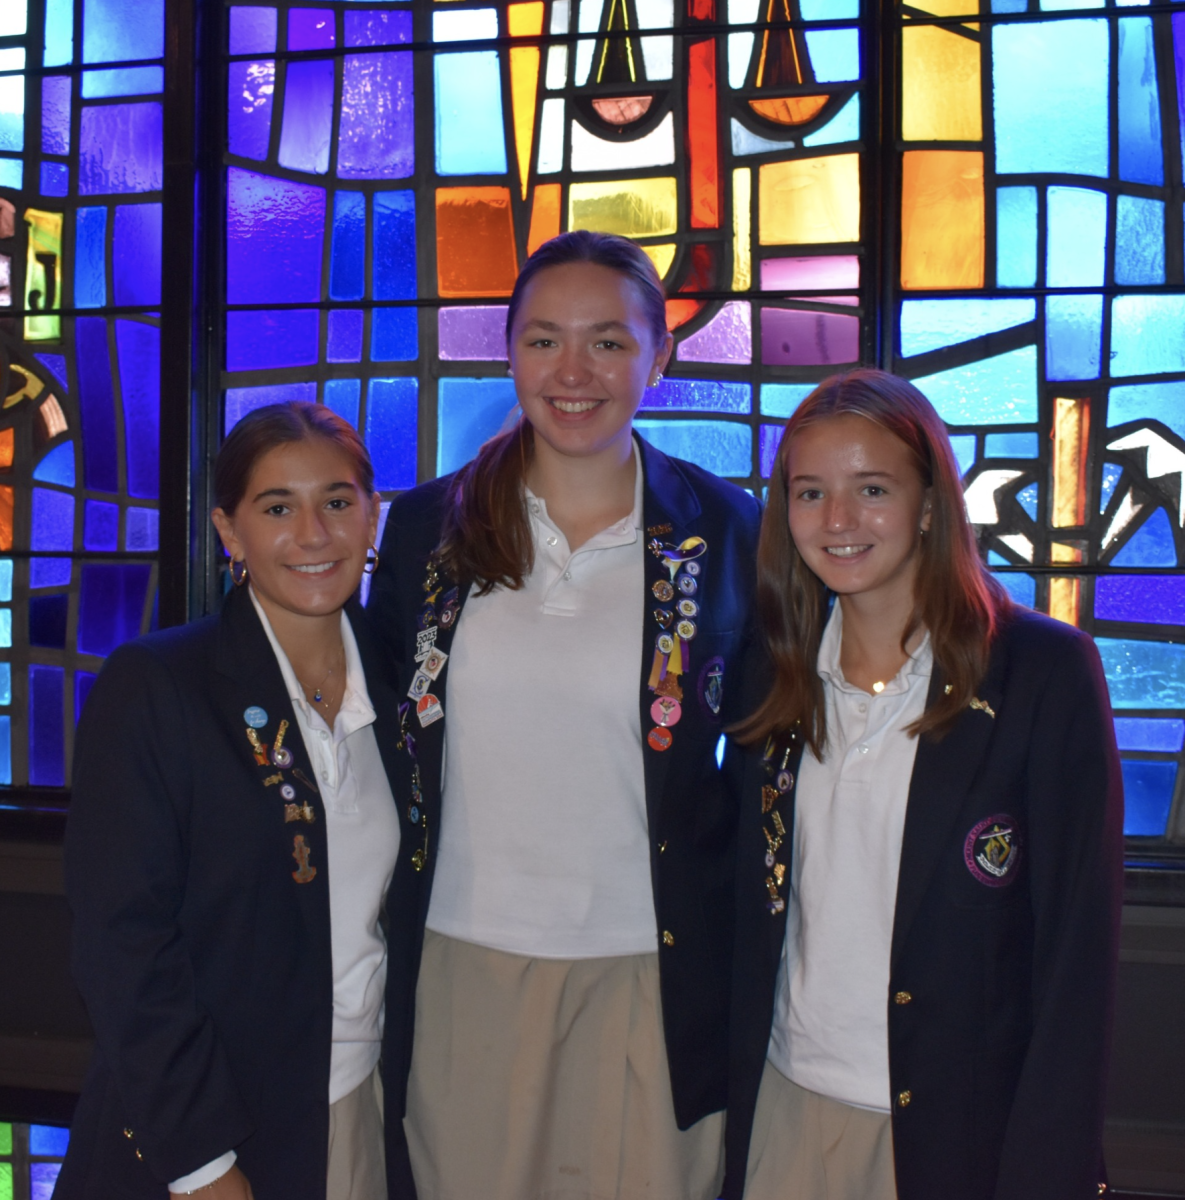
818,271
473,332
793,338
726,338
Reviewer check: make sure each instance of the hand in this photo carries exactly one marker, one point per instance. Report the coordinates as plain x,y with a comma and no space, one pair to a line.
232,1186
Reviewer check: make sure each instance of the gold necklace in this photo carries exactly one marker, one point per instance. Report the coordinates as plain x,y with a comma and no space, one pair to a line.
317,692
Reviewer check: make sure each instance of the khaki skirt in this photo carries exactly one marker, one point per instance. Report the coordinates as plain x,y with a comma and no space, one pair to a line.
547,1079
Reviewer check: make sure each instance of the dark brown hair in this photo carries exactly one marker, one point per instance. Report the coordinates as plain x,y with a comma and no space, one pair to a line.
955,597
486,535
274,425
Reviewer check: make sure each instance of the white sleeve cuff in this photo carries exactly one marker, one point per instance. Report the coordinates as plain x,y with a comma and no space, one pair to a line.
203,1175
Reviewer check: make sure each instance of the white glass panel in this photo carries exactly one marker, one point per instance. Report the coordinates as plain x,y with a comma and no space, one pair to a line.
740,45
657,52
591,153
551,137
590,22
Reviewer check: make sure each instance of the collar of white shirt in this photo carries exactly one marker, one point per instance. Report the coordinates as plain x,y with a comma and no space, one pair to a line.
919,663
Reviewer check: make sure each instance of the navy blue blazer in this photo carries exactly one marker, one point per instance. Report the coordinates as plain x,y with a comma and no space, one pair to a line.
1005,934
200,896
692,819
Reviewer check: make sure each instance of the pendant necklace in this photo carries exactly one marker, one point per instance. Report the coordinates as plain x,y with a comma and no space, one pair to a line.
317,691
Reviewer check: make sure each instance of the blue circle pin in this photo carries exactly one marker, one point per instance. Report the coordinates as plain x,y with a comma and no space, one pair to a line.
255,717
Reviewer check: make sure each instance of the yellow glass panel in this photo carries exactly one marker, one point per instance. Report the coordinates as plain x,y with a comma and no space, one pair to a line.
1065,595
947,8
1071,433
940,86
525,20
809,200
942,219
30,389
629,207
43,274
742,252
661,256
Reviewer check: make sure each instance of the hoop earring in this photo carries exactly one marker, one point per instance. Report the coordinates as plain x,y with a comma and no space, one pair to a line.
238,577
372,561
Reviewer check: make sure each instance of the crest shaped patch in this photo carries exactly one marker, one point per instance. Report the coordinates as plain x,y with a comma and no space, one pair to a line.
992,850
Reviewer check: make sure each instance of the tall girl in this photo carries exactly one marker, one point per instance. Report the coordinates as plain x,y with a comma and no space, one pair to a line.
567,610
930,846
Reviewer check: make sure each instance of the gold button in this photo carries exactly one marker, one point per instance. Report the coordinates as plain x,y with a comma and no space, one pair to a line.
127,1133
902,998
668,938
903,1099
662,847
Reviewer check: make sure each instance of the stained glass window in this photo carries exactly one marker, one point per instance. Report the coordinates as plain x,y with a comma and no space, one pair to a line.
30,1159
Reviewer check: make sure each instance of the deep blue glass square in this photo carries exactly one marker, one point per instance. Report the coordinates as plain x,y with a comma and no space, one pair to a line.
1147,796
83,682
101,526
47,621
344,397
395,335
111,606
48,1140
47,755
391,427
55,179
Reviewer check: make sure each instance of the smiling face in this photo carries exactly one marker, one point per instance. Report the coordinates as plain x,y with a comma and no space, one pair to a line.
583,353
857,506
303,527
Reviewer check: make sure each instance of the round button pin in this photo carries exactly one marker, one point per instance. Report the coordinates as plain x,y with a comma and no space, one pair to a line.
692,568
255,716
659,738
282,757
686,630
688,608
288,792
687,584
665,643
666,711
785,781
413,814
663,591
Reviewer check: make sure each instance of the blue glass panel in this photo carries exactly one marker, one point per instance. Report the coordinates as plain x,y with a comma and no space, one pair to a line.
83,682
1139,240
120,148
1152,545
1148,599
50,1140
372,84
1009,6
55,114
5,627
722,447
90,263
97,401
308,117
1140,157
1060,70
1110,480
123,81
930,324
767,450
47,621
394,247
843,127
1076,227
963,444
12,100
56,363
1147,796
835,54
994,391
43,1178
781,399
745,141
6,579
1150,733
1143,674
250,92
139,368
1147,334
829,10
391,432
378,28
344,396
347,271
47,750
55,179
101,526
59,32
470,138
136,254
345,336
1163,402
1011,445
257,340
241,401
12,173
698,395
1022,588
1016,236
143,529
5,684
1073,337
121,30
111,605
311,29
1027,499
252,30
57,466
275,231
469,412
395,335
52,529
6,750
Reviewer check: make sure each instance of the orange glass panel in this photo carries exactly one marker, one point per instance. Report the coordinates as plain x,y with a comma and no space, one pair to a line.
1065,595
809,200
702,151
789,110
940,88
475,254
700,277
7,446
5,518
942,219
545,215
1071,434
525,20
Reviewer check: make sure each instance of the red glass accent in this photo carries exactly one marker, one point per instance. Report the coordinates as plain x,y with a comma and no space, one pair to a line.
701,10
702,149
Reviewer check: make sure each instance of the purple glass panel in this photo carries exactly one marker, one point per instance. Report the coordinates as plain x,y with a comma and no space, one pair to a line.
375,135
699,395
139,372
56,364
726,338
250,91
818,271
252,30
47,751
345,336
259,340
48,617
1151,599
308,117
143,529
55,114
101,526
83,682
275,230
373,28
311,29
791,338
55,179
49,572
97,401
476,333
391,432
121,148
111,605
52,528
241,401
136,254
771,439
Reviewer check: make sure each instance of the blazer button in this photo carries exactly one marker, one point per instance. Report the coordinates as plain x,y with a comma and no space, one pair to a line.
668,938
902,998
139,1156
127,1133
662,847
903,1099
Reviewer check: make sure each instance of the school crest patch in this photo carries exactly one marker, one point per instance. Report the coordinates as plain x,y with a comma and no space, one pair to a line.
992,851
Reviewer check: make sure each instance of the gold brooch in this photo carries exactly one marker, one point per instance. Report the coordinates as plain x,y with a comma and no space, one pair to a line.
983,706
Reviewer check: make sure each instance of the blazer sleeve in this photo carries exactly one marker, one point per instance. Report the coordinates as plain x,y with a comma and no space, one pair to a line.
1075,850
128,865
